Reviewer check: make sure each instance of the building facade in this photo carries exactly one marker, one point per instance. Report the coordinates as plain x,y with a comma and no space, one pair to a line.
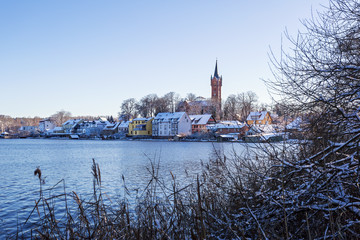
167,125
140,127
46,125
200,123
259,118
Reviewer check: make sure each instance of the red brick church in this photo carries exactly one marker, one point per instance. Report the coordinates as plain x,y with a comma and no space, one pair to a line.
206,106
216,83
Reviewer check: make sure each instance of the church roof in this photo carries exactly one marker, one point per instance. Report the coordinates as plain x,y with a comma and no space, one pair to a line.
216,71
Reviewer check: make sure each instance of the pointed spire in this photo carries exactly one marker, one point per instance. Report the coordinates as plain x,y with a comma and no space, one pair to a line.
216,71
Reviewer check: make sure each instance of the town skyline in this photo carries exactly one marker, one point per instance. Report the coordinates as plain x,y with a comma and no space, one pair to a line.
88,58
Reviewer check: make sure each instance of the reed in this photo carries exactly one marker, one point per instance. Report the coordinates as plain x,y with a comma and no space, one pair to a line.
236,197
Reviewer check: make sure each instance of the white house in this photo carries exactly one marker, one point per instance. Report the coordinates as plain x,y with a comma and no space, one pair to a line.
124,127
31,129
171,124
46,125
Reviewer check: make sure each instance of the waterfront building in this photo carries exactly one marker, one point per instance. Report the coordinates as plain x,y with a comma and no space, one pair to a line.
46,124
91,128
140,127
31,129
110,129
229,127
124,127
199,123
71,126
169,125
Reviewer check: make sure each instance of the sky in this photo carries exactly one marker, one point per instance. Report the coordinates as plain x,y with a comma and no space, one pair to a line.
88,56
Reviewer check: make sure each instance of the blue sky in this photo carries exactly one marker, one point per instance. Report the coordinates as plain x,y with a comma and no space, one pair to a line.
88,56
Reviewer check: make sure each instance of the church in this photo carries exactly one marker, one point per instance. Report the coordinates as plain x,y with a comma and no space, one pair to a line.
206,106
216,84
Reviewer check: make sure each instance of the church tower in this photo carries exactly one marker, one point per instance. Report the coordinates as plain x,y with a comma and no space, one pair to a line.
216,83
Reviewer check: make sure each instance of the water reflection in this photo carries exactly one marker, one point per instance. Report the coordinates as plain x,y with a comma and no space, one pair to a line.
71,160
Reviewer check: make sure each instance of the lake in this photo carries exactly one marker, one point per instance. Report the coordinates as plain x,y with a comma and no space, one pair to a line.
71,160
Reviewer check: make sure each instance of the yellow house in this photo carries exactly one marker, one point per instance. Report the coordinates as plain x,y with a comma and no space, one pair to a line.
259,118
140,127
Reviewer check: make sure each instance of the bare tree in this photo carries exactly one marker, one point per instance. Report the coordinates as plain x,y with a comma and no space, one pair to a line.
172,100
147,105
231,107
162,105
320,78
190,97
128,108
60,117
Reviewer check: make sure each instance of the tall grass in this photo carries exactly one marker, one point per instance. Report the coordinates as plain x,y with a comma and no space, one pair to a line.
249,196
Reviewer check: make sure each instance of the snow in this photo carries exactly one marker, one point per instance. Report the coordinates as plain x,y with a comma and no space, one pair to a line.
254,116
200,119
166,117
295,124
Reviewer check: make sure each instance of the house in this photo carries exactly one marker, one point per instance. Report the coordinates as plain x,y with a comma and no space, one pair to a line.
46,125
28,131
259,118
91,128
229,127
31,129
167,125
140,127
110,129
56,130
262,133
124,127
71,126
199,123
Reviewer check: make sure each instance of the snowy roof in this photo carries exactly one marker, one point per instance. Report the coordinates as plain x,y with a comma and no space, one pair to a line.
142,119
200,98
112,126
200,119
72,122
294,124
231,123
169,116
124,124
46,119
56,129
97,122
222,125
199,103
254,116
262,129
104,119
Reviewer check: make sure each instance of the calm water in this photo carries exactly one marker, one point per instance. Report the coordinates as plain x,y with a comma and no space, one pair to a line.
72,159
